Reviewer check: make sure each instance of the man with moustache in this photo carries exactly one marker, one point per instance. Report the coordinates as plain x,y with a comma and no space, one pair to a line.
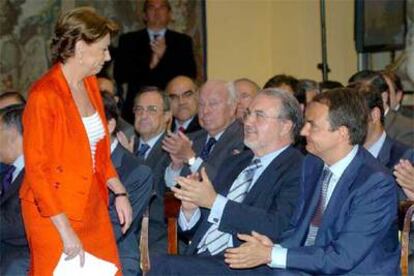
255,189
183,94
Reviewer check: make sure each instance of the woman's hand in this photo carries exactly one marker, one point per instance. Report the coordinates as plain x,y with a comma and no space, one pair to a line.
122,205
124,210
72,246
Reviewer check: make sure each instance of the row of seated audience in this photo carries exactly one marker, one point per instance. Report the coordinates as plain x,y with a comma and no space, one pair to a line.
233,155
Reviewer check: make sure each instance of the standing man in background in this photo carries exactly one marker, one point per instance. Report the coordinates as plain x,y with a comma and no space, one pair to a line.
152,56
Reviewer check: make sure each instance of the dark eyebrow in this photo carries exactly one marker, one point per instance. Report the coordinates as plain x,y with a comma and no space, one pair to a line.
182,93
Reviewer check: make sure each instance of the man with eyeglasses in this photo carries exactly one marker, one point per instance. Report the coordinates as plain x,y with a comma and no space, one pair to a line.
255,190
345,223
152,115
246,90
183,95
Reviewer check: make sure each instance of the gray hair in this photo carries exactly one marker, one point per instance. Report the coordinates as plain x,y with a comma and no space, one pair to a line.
156,90
248,81
290,108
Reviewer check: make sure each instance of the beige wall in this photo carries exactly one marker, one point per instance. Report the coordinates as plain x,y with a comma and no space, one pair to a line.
258,39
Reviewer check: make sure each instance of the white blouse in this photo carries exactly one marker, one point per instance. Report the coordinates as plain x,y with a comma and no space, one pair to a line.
95,131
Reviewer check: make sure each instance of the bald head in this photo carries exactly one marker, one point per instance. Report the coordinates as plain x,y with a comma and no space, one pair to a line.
217,106
183,95
246,90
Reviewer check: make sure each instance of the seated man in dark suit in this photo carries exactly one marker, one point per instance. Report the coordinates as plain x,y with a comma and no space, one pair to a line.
221,137
152,115
397,96
14,250
6,99
183,94
387,150
346,222
255,189
397,126
107,85
138,181
152,56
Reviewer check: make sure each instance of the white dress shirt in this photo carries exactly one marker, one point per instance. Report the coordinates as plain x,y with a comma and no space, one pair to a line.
170,174
220,202
375,148
151,142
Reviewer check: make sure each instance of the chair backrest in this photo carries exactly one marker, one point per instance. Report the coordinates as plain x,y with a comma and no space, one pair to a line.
406,211
143,243
171,211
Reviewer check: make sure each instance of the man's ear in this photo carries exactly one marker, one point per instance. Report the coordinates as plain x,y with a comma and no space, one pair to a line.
111,126
344,132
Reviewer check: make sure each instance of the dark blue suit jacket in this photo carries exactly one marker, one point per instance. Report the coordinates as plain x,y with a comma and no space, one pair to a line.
358,232
14,248
138,182
267,207
391,152
132,59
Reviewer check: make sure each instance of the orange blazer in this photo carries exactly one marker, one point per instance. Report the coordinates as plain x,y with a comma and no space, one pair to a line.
57,154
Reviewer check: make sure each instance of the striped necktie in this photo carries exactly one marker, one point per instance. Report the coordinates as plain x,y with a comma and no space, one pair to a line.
215,240
318,213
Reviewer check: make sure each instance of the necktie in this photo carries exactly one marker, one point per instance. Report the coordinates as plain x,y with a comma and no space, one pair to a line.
215,240
155,36
7,178
207,148
143,148
318,213
181,129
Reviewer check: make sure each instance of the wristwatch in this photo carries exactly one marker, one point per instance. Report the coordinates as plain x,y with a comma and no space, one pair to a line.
191,161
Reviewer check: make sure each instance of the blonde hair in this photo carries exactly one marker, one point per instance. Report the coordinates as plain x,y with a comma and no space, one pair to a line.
78,24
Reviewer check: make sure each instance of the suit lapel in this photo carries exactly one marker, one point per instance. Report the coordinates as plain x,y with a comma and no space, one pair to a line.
116,156
340,194
271,172
228,134
72,110
385,153
155,153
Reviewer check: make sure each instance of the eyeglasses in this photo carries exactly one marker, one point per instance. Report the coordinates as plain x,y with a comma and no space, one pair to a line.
151,109
186,95
257,115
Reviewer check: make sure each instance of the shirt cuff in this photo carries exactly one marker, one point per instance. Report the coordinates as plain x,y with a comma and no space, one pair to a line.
170,175
188,224
279,257
197,164
217,209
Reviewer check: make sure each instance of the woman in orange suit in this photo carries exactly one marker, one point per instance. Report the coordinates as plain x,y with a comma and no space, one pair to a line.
66,148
